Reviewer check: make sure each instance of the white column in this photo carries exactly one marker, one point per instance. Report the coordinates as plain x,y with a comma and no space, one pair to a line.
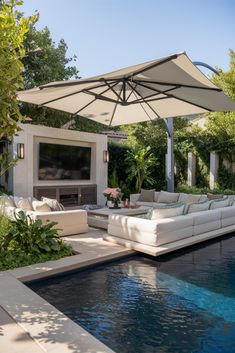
191,169
170,160
214,165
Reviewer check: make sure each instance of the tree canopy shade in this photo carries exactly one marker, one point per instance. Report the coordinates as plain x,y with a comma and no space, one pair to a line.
162,88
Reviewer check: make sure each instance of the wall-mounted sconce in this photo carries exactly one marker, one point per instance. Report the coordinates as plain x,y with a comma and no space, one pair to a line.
20,150
106,156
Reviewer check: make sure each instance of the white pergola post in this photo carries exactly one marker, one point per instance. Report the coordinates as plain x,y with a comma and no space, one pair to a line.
191,169
170,158
214,165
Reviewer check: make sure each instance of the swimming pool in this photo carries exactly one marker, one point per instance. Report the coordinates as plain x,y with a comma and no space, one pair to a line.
181,303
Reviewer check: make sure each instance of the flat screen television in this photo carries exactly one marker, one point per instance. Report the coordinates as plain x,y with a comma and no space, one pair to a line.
64,162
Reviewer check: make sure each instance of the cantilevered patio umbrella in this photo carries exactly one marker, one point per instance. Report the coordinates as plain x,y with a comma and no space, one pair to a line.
162,88
167,87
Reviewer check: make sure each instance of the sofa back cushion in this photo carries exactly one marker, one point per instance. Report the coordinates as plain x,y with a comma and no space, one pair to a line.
225,202
23,203
197,207
6,201
214,196
147,195
191,198
166,212
40,206
156,194
167,197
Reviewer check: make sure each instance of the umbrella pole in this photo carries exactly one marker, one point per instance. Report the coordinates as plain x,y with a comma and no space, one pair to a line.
170,160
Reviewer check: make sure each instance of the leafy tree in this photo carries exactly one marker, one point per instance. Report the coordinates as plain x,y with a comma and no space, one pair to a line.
140,163
12,35
45,62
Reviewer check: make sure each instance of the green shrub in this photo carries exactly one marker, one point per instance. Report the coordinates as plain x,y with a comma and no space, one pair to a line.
5,225
24,242
31,236
17,258
195,190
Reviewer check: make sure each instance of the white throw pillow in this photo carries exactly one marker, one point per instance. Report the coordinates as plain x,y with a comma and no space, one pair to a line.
220,203
167,212
41,206
53,204
198,207
23,203
6,201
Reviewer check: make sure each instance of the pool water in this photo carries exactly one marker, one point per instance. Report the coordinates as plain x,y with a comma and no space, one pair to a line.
179,303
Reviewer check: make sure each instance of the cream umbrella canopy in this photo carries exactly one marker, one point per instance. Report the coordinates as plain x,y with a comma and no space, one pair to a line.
158,89
162,88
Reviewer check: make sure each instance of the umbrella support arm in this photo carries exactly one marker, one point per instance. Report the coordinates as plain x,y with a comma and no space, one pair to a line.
170,160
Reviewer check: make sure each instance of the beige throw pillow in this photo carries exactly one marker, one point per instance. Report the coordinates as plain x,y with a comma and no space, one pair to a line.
147,195
53,204
41,206
167,197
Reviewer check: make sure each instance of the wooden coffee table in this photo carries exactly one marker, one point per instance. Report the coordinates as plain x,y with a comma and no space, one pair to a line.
99,218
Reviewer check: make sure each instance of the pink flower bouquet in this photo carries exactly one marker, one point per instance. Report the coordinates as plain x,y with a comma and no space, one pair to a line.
113,194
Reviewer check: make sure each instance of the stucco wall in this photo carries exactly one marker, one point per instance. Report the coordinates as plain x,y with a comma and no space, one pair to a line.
25,173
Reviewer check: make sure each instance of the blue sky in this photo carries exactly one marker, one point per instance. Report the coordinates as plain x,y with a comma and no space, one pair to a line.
110,34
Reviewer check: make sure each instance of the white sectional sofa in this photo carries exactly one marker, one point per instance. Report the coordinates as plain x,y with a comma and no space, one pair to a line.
163,197
68,221
158,236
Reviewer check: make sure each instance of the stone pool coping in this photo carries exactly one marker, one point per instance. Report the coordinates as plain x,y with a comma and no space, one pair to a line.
28,323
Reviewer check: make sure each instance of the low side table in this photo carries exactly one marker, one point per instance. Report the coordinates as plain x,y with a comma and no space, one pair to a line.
99,218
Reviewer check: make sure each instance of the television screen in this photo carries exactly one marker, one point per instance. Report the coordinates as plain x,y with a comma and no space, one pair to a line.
64,162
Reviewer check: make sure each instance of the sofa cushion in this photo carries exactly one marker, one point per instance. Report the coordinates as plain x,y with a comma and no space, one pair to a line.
220,203
144,203
6,201
214,196
41,206
192,198
167,211
228,216
197,207
68,222
147,195
23,203
206,221
53,204
183,198
151,232
156,194
167,197
204,217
